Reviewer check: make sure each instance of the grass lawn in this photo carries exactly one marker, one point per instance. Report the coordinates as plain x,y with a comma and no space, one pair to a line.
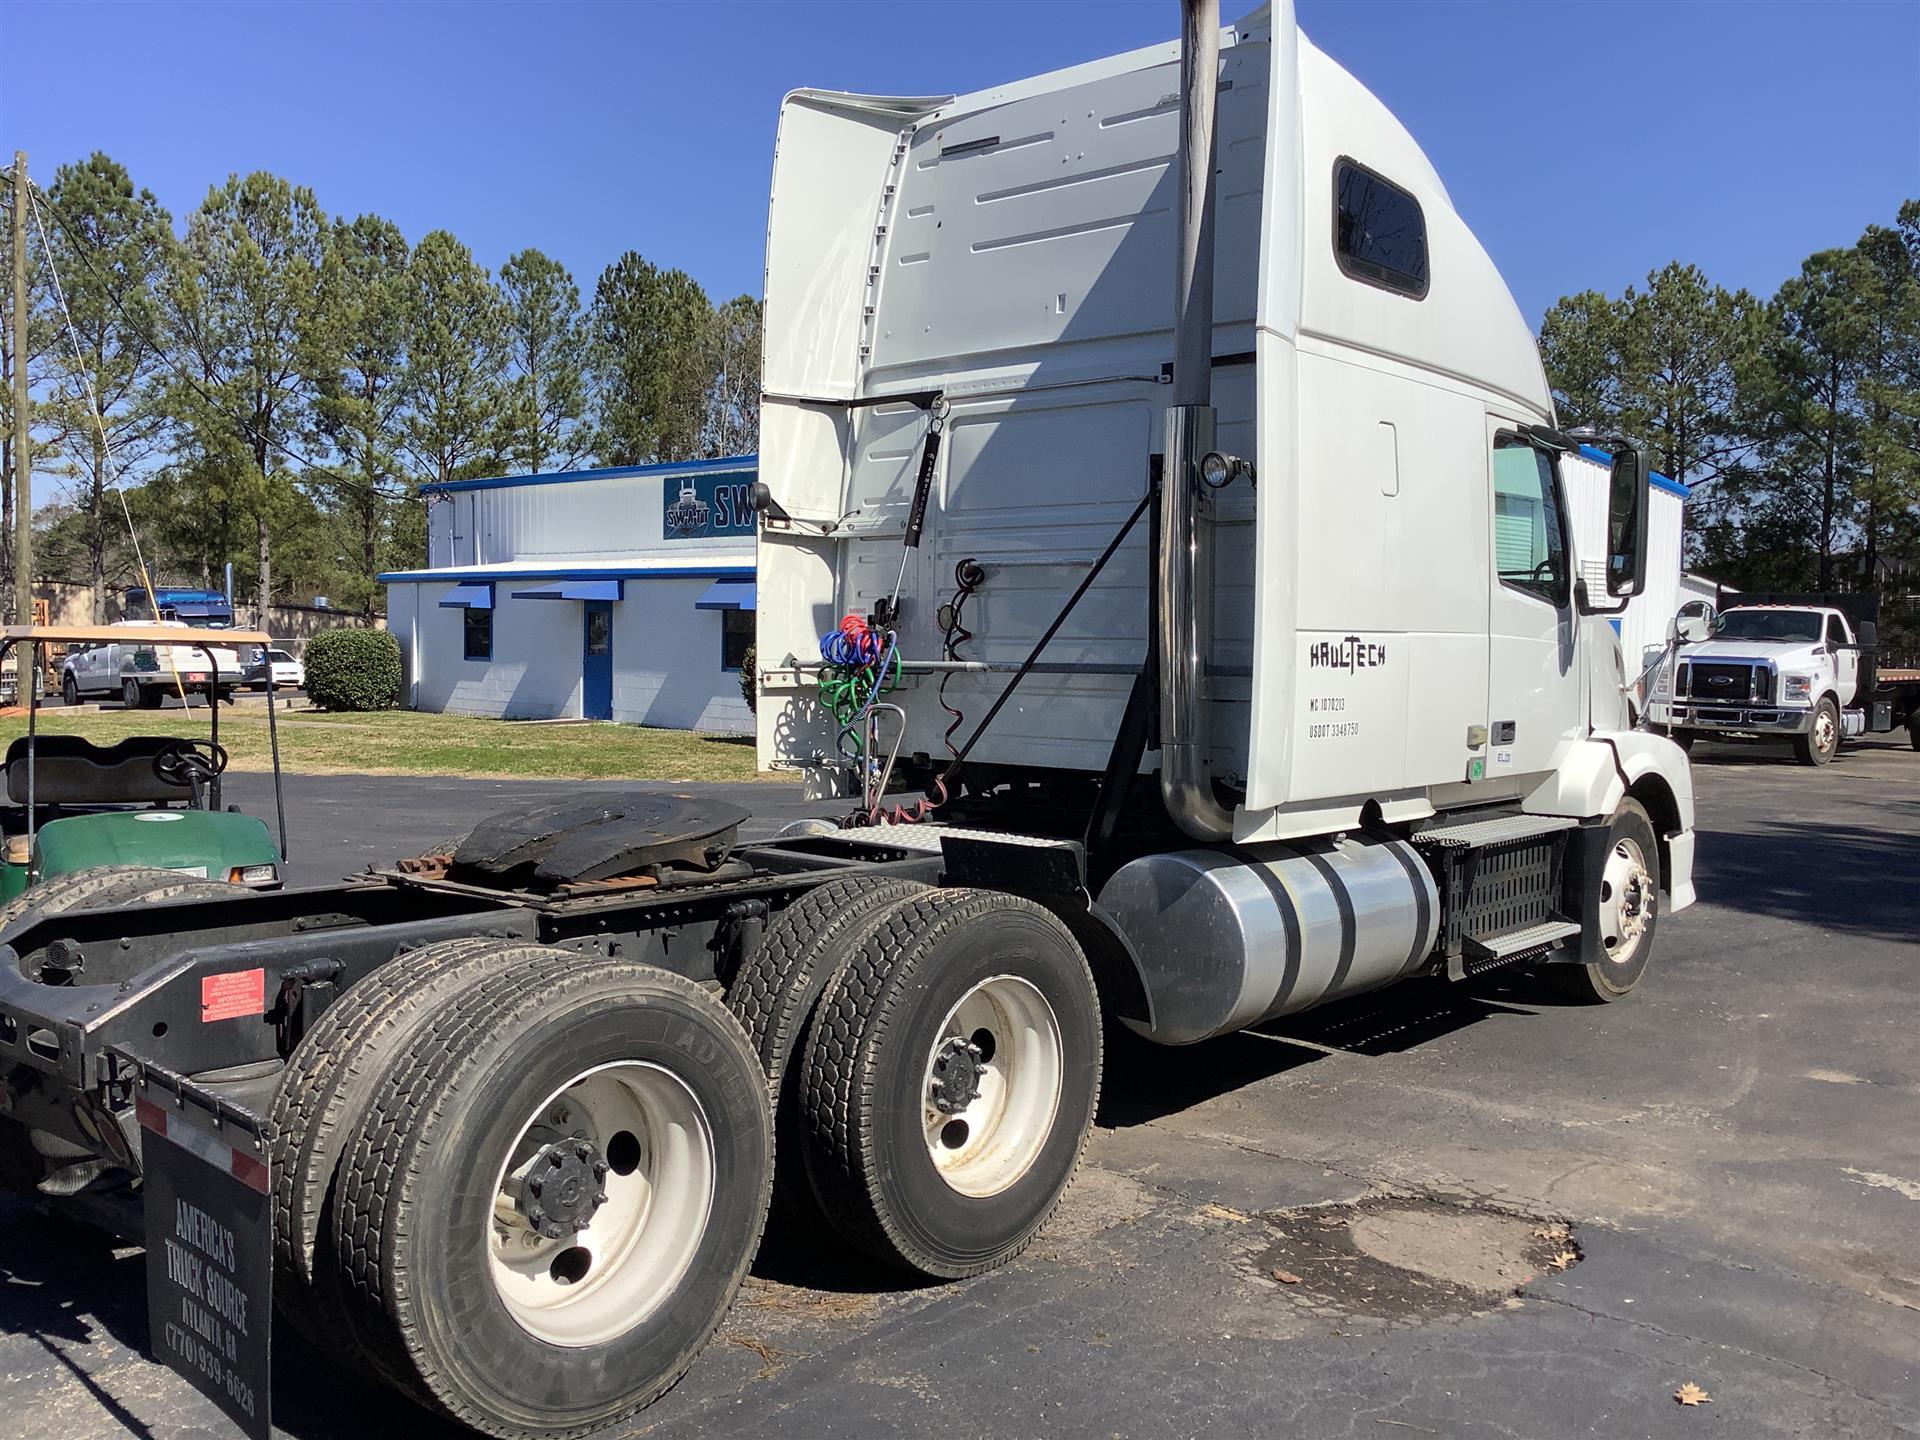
402,742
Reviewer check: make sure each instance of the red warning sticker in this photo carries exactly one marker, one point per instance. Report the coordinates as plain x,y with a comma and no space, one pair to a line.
236,993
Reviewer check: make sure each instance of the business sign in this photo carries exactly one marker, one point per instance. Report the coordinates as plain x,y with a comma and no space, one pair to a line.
701,507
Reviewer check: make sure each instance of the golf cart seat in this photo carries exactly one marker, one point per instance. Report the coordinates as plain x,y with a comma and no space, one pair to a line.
72,770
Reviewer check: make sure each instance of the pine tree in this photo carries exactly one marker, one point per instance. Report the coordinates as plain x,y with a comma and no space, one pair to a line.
547,350
653,347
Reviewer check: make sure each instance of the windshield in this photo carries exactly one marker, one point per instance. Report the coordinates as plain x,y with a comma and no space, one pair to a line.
1767,625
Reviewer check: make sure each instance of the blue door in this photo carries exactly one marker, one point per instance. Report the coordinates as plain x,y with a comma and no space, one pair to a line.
596,662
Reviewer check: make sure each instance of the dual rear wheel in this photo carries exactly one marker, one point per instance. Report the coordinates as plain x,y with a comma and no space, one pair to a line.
939,1085
522,1184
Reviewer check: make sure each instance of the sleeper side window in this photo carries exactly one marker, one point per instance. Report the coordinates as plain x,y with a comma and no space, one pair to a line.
1379,232
1529,541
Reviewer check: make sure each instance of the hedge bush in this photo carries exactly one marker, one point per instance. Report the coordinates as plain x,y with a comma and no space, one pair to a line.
353,670
746,680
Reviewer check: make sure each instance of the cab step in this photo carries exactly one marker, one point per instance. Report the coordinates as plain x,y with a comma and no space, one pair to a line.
1479,956
1502,882
1499,830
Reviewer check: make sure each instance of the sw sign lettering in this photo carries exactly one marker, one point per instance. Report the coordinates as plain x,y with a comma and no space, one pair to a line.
706,506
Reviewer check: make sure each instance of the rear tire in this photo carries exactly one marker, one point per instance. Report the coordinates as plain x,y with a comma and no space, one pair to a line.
775,997
103,886
130,695
1624,910
1822,741
952,1074
451,1277
325,1088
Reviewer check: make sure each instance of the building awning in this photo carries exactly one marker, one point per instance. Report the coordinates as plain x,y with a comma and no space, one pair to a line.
574,590
474,595
727,595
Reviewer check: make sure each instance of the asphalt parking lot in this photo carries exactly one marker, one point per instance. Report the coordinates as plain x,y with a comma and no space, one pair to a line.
1442,1211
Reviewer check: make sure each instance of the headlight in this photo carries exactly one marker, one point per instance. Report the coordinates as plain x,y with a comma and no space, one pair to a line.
254,874
1796,687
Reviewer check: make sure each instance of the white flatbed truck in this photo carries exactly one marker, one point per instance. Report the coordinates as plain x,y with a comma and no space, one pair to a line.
1154,417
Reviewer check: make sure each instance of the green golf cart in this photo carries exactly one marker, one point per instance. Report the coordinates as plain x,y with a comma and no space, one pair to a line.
146,803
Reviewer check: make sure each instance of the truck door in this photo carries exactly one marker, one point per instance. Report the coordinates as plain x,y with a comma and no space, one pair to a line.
1846,660
1534,702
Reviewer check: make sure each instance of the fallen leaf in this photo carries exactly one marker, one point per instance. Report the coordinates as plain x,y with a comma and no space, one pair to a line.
1564,1259
1286,1277
1692,1394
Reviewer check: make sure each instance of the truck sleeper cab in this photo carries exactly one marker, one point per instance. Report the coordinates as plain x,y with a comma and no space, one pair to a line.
1385,631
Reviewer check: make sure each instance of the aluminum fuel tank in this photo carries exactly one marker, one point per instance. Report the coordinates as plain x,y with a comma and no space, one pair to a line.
1226,940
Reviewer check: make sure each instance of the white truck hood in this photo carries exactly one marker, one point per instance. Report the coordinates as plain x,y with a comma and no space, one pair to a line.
1787,654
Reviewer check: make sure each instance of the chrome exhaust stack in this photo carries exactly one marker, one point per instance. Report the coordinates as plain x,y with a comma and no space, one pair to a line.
1186,590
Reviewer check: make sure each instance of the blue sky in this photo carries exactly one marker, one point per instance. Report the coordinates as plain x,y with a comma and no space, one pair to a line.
1585,143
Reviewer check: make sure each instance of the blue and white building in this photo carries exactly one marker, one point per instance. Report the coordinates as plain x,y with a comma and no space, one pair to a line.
619,594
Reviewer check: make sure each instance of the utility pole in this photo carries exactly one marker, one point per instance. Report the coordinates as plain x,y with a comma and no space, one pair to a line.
22,425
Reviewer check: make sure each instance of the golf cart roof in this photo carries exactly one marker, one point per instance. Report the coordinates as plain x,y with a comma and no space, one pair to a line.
142,634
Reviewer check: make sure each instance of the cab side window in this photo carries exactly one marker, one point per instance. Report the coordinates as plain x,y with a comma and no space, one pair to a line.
1836,633
1529,542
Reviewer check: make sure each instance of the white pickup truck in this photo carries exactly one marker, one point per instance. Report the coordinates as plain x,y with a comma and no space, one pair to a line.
1799,670
143,675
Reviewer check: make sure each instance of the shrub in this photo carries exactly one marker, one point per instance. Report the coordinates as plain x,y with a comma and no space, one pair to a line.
746,680
350,669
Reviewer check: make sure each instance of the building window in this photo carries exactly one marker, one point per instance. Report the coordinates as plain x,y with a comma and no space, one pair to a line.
477,633
1379,234
736,638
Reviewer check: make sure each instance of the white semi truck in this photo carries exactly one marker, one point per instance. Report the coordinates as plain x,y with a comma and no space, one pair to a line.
1135,443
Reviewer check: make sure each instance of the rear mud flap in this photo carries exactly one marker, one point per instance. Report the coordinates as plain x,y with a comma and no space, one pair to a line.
209,1232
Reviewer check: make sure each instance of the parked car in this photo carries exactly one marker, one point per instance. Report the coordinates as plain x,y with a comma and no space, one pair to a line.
288,672
118,662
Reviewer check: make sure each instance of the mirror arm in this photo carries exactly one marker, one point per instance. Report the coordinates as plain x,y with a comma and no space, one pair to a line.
1583,600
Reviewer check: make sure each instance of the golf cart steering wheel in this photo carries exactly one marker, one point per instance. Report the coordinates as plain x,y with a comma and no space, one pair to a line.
190,762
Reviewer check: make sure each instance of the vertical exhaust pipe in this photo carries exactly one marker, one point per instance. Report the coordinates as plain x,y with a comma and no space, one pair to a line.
1185,580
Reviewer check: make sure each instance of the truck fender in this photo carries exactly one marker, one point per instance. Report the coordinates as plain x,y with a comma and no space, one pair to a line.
1595,775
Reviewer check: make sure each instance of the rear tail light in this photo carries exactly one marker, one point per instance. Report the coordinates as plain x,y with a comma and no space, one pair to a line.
254,874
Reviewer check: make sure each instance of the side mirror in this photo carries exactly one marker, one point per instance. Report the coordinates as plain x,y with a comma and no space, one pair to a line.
1627,494
1692,629
1867,634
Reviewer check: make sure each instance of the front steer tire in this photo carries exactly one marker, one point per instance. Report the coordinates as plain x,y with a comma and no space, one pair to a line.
1603,982
1822,740
882,1029
416,1218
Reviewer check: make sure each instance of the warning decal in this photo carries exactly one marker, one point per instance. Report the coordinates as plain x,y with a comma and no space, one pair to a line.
229,996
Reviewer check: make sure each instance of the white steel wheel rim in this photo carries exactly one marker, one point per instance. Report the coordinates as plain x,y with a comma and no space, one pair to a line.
1627,897
986,1146
595,1284
1823,730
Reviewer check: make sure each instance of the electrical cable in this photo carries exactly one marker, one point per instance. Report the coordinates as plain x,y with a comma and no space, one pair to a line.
106,445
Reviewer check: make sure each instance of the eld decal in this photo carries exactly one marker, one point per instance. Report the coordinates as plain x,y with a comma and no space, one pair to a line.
1349,654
